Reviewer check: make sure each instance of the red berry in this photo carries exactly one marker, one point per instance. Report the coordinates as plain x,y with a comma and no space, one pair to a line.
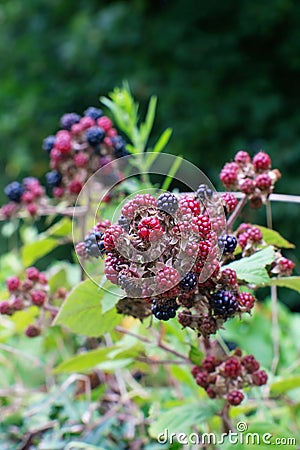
56,155
247,186
58,192
32,331
229,201
246,299
232,368
255,234
32,273
81,159
204,249
113,265
167,278
86,122
189,205
229,173
201,224
210,392
195,371
263,181
75,187
138,201
242,157
103,225
285,265
105,123
209,363
17,304
13,283
43,279
38,297
5,308
259,378
262,161
243,239
229,276
250,363
148,227
27,197
8,210
32,209
235,397
63,141
202,379
111,236
112,132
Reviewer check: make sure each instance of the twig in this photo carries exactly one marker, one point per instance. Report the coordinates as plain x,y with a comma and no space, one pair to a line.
236,212
226,424
29,436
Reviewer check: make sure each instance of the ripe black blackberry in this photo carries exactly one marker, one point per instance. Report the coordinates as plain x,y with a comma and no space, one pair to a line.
48,143
167,202
69,119
53,178
14,191
95,136
94,113
224,303
94,244
228,243
119,147
204,192
189,281
164,310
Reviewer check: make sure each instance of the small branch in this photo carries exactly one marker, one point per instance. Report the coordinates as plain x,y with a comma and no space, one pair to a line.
226,424
236,212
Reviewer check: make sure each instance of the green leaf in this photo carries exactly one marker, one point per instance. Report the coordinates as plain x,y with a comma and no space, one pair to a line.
195,355
252,268
169,178
272,237
60,229
82,312
285,384
36,250
159,146
146,127
287,282
183,418
83,362
58,280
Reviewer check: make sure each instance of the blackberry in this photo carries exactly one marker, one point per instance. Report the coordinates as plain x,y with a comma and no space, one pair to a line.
129,286
95,136
262,161
119,147
189,281
259,378
228,243
53,178
167,202
94,113
48,143
204,192
232,368
94,244
69,119
224,303
235,397
250,363
242,158
14,191
165,310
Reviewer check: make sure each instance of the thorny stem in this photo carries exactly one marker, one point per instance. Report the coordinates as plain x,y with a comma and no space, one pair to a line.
236,212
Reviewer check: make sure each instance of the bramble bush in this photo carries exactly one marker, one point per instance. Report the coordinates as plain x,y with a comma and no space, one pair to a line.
151,322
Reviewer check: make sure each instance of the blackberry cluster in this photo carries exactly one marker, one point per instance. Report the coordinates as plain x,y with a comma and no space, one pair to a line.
32,290
27,196
253,177
226,376
83,145
166,251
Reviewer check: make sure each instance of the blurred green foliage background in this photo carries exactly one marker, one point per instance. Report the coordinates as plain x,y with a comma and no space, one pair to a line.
226,75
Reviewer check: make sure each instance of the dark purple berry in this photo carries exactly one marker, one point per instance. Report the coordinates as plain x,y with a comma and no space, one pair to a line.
48,143
224,303
94,113
228,243
53,178
188,282
167,202
69,119
14,191
164,310
204,192
95,136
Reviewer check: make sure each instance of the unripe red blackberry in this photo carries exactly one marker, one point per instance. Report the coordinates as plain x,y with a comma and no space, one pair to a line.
105,123
111,237
63,141
259,378
262,161
210,392
32,273
75,187
167,278
209,363
185,318
247,186
5,308
43,279
242,158
32,209
32,331
58,191
113,265
27,197
38,297
232,368
250,363
229,201
103,225
189,205
255,234
228,174
195,370
234,398
263,181
150,227
285,266
204,249
81,159
202,379
246,300
138,201
80,250
13,283
17,304
201,224
228,276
